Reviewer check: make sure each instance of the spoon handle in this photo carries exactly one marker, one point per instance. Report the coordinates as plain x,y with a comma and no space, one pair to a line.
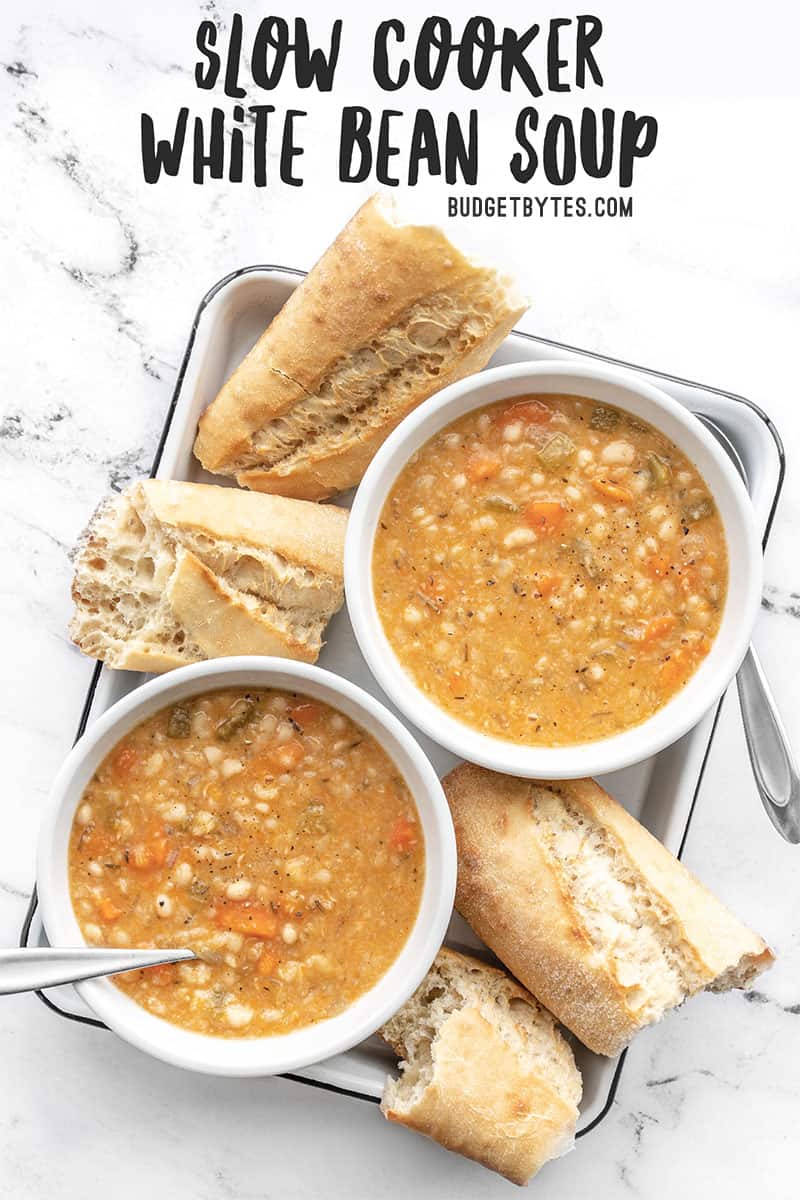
28,970
773,763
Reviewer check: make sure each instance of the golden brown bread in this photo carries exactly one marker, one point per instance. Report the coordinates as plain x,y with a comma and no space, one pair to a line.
485,1072
170,573
586,908
389,315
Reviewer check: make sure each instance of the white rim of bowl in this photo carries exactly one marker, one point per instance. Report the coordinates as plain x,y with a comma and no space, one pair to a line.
257,1055
682,711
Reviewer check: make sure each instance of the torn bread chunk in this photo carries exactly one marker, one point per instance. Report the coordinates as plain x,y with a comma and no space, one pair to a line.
587,908
484,1071
170,573
390,314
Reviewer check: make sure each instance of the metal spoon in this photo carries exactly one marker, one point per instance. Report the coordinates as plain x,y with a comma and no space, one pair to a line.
771,758
30,969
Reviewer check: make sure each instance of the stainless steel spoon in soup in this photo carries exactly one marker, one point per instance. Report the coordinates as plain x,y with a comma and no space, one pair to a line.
30,969
774,767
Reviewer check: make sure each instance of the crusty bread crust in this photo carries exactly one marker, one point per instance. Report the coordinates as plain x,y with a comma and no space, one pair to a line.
170,573
488,1091
520,901
390,314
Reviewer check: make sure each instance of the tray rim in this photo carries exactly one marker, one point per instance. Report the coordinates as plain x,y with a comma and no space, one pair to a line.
274,268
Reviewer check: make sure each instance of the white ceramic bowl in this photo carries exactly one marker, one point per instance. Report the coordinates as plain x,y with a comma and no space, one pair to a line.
607,386
285,1052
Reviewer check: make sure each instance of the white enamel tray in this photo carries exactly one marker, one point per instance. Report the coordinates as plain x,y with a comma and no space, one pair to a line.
660,792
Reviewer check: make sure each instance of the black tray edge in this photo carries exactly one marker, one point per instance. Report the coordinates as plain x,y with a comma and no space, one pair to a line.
80,1018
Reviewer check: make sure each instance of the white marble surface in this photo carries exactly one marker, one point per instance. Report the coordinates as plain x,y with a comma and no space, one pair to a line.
100,277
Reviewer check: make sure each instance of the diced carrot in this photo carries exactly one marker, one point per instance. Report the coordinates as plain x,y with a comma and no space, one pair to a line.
306,713
456,683
278,760
403,836
545,516
613,491
124,760
147,855
482,466
267,964
659,627
658,565
528,412
95,841
672,672
107,909
162,975
547,584
247,917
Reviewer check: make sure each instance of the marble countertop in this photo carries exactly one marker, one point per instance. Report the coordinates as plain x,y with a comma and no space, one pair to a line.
102,275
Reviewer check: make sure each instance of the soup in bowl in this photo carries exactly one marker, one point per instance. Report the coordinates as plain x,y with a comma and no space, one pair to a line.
278,822
539,569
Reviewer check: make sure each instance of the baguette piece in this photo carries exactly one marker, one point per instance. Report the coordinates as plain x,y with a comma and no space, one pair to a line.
170,573
587,908
389,315
486,1071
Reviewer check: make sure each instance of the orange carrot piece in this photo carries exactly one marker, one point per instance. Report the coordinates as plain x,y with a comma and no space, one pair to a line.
613,491
482,466
658,565
247,917
162,975
456,683
545,585
403,836
124,760
672,672
147,855
659,627
306,713
279,760
108,910
529,412
267,964
545,516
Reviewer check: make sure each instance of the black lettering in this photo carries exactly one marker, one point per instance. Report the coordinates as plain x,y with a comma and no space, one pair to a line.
272,34
452,206
206,38
214,160
461,157
236,156
558,152
424,145
523,167
232,87
597,159
162,155
434,34
386,150
513,60
314,66
554,63
355,127
478,33
588,34
380,57
289,149
637,139
262,113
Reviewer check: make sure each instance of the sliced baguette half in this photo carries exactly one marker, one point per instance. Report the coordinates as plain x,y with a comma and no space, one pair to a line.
390,314
484,1070
587,908
170,573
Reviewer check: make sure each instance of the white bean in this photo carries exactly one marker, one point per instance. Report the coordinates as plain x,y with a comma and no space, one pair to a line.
84,814
238,1015
239,889
163,906
619,454
289,934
